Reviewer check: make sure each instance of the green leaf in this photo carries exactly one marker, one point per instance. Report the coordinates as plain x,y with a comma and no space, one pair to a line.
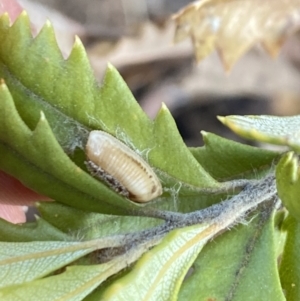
40,230
290,262
21,57
37,159
270,129
159,273
241,264
89,225
75,100
288,183
46,152
72,285
165,134
39,258
40,79
225,159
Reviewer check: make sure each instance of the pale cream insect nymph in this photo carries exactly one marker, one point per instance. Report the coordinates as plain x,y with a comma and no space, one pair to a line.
121,168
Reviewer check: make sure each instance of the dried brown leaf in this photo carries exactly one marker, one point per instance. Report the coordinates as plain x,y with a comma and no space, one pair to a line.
233,26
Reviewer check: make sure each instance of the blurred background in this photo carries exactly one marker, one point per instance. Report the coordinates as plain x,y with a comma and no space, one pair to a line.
136,36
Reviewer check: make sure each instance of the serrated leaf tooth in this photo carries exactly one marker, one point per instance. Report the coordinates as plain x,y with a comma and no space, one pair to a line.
5,19
43,117
47,36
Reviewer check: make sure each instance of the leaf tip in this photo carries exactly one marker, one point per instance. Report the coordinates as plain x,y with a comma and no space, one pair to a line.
110,66
204,133
163,111
77,42
43,117
164,107
4,15
78,52
3,86
48,24
24,14
222,119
